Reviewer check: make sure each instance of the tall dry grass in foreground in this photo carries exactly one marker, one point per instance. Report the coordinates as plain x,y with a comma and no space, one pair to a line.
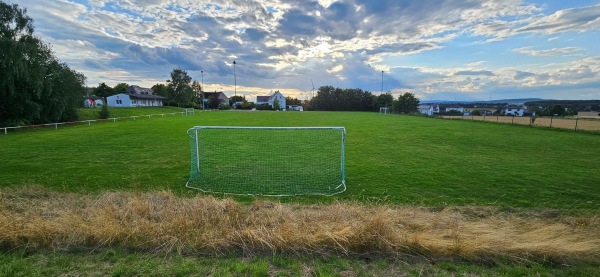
162,222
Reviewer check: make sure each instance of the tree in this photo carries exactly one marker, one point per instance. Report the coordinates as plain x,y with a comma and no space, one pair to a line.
383,100
34,86
235,98
336,99
276,105
406,103
103,90
120,88
557,110
198,95
213,102
292,101
180,89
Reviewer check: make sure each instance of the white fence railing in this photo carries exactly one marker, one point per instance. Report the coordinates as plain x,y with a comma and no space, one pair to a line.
89,122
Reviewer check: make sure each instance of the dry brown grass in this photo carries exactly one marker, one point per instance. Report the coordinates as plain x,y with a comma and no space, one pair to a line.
584,123
162,222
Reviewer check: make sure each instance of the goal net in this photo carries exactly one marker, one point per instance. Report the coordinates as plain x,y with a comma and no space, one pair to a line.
275,161
384,110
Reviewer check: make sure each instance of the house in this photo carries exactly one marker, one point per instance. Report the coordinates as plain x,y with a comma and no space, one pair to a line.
429,109
486,112
223,99
270,100
455,108
515,111
136,96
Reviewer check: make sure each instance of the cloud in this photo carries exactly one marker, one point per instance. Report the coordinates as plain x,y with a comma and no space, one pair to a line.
283,44
474,72
549,52
520,75
576,19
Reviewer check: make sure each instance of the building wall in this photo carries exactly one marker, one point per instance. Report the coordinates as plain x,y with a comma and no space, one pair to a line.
146,103
281,99
119,100
427,111
516,112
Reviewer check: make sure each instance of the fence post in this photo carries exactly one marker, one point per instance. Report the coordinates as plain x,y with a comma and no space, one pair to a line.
576,121
551,117
497,118
513,120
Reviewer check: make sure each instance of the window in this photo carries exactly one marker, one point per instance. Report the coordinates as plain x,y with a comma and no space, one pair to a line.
119,102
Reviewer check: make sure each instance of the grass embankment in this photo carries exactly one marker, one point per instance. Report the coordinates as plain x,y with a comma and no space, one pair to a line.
92,114
42,220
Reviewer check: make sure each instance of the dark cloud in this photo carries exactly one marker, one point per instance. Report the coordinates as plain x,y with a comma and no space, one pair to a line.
520,75
254,34
297,22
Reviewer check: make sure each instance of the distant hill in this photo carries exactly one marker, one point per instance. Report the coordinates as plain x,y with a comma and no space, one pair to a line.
518,101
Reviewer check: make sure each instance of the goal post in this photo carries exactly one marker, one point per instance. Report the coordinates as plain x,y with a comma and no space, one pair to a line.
384,110
270,161
189,111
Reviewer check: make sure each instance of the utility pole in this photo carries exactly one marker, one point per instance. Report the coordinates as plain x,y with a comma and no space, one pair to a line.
234,80
202,87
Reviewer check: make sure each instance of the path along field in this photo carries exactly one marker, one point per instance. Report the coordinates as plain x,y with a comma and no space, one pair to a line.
416,186
584,122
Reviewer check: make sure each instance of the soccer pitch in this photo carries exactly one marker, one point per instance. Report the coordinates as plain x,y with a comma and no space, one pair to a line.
395,159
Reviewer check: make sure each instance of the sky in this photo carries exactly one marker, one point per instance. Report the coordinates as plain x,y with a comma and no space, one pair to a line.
464,50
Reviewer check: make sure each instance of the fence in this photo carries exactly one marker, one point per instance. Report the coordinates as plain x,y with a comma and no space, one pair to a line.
89,122
589,124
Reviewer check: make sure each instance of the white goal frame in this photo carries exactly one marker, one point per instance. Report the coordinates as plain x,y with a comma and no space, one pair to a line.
196,162
384,110
189,111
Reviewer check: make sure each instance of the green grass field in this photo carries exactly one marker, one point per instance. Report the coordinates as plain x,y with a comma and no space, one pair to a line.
389,160
396,159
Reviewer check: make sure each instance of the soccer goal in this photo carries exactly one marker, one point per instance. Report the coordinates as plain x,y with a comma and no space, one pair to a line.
189,111
273,161
384,110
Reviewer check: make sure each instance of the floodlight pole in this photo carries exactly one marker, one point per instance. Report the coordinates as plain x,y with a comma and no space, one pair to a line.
382,81
234,80
202,87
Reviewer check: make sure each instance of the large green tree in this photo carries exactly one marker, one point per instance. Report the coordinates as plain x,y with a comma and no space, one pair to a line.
406,103
181,92
337,99
34,86
103,90
120,88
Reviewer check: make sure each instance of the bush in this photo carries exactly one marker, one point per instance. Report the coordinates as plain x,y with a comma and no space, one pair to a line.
104,114
224,107
263,107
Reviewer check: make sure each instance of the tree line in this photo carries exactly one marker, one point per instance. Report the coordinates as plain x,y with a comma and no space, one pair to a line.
329,98
35,87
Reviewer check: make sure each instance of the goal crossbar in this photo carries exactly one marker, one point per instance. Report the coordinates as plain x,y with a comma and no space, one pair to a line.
270,161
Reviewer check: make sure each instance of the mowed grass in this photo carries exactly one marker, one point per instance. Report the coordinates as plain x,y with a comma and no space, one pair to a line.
116,262
91,114
392,159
